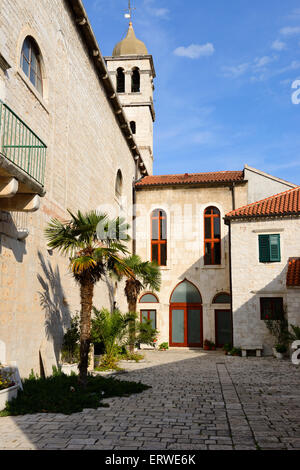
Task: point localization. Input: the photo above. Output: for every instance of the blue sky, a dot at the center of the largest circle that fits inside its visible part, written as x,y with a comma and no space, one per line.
224,80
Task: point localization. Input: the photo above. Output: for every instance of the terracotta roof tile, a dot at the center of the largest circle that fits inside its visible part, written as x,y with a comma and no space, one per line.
293,273
285,203
192,178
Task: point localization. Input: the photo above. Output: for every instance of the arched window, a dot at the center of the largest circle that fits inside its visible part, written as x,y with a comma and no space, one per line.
135,81
120,80
133,127
212,236
119,184
31,63
159,237
149,299
222,298
186,293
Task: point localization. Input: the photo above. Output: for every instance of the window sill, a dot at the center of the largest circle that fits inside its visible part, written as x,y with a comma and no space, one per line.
32,89
215,266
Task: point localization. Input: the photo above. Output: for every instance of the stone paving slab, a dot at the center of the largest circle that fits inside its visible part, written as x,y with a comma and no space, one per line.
198,401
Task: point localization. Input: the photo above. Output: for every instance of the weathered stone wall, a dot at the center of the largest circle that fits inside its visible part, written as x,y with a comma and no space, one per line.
85,150
252,280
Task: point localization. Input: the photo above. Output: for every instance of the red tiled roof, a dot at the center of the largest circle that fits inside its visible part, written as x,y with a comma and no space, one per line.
293,273
192,178
286,203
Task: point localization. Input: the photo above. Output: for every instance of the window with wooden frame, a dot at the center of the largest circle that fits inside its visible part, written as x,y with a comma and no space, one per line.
271,308
159,237
120,80
31,63
212,236
269,248
149,299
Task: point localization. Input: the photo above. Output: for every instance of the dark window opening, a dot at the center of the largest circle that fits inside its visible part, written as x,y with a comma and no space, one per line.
120,81
271,308
135,81
133,127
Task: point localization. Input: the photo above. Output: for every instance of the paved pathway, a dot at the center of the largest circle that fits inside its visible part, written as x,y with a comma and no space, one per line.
198,401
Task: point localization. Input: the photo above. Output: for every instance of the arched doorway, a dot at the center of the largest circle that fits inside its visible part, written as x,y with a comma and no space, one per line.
186,323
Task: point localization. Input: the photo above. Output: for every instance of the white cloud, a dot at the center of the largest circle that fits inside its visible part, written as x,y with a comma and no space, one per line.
161,12
194,51
235,71
278,45
263,61
290,30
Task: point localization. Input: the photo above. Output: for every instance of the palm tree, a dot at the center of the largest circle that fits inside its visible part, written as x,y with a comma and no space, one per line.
92,242
147,275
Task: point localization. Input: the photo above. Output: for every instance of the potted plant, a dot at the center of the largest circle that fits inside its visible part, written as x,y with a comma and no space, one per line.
163,346
209,345
235,352
8,389
226,348
279,351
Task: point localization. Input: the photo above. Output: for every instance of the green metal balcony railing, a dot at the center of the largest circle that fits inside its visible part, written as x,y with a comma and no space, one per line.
21,145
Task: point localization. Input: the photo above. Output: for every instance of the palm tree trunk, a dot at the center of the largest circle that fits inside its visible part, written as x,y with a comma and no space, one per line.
86,295
132,310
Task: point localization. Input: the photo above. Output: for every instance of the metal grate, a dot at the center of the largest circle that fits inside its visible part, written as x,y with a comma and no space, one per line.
21,145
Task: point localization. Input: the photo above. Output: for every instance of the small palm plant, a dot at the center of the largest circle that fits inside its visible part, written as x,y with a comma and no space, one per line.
92,242
110,328
147,275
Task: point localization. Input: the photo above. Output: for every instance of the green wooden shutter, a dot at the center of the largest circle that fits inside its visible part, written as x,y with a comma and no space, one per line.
264,248
275,248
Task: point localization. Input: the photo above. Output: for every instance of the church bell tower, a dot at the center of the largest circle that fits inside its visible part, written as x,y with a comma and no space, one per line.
132,71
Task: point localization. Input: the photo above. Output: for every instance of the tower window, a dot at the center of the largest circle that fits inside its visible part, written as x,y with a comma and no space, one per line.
135,81
31,63
120,81
133,127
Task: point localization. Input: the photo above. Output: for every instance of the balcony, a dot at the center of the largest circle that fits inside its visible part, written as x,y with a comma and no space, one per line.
22,164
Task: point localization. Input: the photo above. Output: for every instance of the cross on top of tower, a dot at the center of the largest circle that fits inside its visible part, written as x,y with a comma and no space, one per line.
129,11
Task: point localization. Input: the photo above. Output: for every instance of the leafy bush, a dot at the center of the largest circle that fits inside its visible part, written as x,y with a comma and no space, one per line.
280,330
145,334
235,352
70,352
281,348
295,335
163,346
112,330
63,394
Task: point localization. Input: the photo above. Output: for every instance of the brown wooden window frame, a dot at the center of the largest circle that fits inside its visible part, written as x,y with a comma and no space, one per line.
162,216
33,51
212,240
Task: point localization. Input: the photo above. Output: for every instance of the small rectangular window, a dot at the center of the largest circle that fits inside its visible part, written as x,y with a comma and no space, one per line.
271,308
269,248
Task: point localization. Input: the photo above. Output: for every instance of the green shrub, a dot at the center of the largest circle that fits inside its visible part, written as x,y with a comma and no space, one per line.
295,335
70,352
63,394
145,334
281,348
163,346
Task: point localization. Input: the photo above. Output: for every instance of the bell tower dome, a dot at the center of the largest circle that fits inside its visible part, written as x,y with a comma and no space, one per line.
132,71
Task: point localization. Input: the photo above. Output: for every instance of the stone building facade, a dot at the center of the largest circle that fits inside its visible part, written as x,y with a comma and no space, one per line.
184,200
261,283
80,120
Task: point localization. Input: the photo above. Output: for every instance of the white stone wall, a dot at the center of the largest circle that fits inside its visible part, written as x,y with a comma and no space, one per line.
85,150
262,185
252,280
185,212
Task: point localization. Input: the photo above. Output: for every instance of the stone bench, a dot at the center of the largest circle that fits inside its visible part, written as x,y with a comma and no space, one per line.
257,348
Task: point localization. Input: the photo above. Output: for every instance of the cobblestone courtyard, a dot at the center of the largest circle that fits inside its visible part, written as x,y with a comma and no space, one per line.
197,401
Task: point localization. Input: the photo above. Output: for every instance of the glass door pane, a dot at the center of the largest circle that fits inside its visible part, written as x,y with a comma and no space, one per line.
224,327
178,326
194,327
